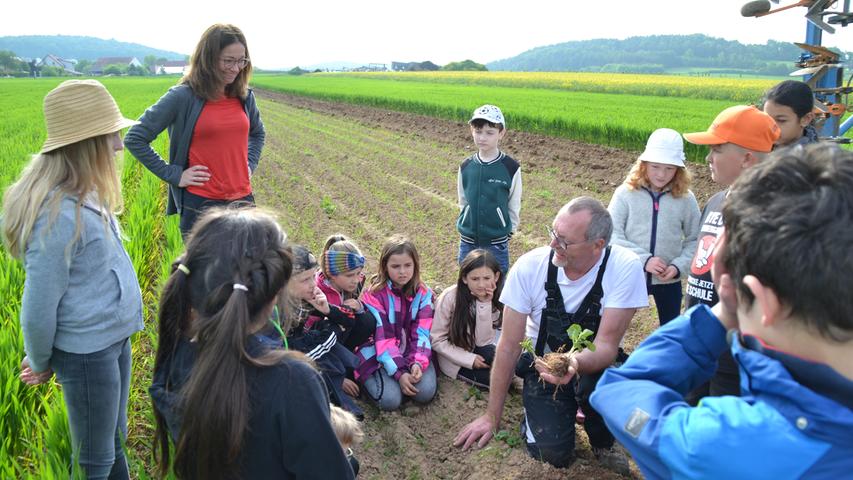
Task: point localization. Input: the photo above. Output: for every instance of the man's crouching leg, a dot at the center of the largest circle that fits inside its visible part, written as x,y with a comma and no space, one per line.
549,423
608,454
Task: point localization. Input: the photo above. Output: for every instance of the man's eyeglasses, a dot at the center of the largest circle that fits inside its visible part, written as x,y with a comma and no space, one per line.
230,62
564,245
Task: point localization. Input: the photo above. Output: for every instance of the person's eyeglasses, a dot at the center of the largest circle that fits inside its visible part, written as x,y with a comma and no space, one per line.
564,245
230,62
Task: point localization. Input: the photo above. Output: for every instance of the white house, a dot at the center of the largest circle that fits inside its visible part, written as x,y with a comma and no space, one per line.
51,60
103,62
170,67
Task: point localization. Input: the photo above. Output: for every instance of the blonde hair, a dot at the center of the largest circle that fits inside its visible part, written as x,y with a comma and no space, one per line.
205,76
638,178
397,245
76,170
346,426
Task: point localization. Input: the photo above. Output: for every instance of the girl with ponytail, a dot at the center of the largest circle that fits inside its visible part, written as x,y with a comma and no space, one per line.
233,406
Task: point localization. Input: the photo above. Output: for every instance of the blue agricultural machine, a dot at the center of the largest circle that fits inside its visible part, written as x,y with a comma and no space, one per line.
819,66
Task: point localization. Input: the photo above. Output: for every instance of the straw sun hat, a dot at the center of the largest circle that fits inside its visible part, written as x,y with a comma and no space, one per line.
80,109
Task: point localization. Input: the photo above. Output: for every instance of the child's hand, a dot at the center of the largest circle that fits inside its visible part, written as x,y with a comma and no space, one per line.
320,302
490,291
726,308
350,388
416,372
655,266
407,385
480,362
30,377
354,304
669,273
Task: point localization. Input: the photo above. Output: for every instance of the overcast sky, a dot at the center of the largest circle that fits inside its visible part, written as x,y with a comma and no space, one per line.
286,33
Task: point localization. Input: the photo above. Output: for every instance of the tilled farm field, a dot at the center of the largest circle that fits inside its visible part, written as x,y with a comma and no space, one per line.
332,167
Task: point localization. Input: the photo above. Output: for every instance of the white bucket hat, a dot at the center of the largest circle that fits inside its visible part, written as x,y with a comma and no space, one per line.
80,109
664,146
489,113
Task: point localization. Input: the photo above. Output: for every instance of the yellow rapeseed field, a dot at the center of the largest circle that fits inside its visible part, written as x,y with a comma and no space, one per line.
736,89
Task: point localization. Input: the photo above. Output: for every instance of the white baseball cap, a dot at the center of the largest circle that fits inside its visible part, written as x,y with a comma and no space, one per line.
489,113
664,146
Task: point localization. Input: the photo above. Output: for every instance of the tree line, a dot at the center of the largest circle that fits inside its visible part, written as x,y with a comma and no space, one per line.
656,54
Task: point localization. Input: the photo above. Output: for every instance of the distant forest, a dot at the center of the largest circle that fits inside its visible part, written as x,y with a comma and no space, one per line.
79,48
657,54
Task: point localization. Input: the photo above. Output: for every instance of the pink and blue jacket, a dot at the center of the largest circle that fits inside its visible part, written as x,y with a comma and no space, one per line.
402,332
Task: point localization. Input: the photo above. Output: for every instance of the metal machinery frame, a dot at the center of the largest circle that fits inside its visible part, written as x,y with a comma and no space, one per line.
820,67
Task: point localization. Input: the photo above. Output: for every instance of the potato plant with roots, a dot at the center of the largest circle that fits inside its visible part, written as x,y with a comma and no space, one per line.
557,363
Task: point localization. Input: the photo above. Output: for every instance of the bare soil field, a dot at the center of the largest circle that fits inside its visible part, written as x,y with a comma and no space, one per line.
368,173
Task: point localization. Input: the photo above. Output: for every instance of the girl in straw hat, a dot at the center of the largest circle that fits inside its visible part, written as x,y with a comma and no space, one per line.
215,130
81,298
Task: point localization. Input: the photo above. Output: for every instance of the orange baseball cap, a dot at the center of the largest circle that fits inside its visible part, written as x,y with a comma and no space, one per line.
743,125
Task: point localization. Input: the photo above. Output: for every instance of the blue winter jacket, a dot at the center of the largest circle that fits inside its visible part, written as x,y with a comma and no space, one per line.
794,419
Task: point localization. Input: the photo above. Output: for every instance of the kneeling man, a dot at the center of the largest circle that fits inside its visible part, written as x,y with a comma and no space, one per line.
579,279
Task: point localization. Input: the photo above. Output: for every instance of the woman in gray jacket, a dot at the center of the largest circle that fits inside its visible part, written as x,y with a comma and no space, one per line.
657,217
215,130
81,299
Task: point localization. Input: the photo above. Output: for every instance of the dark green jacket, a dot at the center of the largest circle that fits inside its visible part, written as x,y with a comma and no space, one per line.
490,199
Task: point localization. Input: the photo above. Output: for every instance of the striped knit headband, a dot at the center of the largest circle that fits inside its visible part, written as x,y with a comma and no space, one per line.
337,262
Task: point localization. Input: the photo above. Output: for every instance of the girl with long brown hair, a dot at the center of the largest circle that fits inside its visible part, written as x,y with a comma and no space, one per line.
396,361
467,315
215,129
234,406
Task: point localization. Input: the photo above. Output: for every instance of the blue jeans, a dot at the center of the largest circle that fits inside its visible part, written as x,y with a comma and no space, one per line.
385,391
500,251
95,386
667,300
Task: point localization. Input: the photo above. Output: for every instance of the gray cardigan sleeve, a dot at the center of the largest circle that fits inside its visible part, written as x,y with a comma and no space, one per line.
47,276
257,134
619,212
156,118
692,219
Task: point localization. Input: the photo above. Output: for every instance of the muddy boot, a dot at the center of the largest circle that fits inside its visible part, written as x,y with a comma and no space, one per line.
613,459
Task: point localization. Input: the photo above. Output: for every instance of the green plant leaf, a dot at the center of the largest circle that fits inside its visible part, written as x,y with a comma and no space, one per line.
574,332
527,346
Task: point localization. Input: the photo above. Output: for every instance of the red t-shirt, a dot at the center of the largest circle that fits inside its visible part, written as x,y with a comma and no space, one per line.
221,143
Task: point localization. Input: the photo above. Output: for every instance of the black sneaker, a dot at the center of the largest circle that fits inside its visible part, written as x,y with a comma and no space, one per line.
613,459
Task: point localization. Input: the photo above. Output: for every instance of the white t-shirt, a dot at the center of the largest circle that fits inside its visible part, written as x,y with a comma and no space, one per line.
624,285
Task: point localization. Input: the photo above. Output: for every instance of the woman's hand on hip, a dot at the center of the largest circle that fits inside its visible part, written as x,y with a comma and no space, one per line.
195,176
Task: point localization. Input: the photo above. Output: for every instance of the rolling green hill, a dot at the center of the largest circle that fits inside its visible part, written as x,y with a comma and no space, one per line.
79,48
657,54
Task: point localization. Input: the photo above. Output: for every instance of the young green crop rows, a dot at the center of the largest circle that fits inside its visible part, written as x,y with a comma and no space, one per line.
623,121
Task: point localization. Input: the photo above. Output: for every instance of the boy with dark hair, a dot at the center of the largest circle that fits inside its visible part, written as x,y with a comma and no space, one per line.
783,272
489,188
